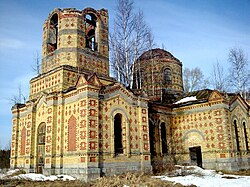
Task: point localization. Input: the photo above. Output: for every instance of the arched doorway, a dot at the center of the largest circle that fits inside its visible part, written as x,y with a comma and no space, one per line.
41,133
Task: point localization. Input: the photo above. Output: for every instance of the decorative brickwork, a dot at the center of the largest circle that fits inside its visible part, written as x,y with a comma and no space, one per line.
82,122
23,141
72,134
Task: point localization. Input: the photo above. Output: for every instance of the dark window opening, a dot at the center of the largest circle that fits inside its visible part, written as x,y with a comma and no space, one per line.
151,138
245,134
91,32
167,76
164,145
118,134
236,136
53,33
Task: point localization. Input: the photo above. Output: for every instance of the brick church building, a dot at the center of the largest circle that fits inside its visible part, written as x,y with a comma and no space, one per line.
80,121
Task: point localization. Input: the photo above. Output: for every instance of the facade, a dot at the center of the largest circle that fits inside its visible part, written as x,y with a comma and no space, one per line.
80,121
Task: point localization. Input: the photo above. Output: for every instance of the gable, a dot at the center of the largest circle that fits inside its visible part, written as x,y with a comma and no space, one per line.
238,102
215,96
94,80
81,81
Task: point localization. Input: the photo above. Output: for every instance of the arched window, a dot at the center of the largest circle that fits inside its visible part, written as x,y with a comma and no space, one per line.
236,136
164,145
118,134
72,134
41,134
167,76
245,135
53,33
91,32
23,141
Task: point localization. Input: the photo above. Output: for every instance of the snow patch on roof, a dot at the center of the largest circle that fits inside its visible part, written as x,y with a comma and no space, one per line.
186,99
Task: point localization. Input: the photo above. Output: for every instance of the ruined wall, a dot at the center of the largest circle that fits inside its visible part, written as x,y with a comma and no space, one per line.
158,72
68,46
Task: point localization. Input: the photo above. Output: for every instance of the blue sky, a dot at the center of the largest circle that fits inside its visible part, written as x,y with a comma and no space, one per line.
198,32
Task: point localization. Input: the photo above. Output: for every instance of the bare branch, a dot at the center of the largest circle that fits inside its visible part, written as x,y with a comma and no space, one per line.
239,73
219,78
194,80
128,41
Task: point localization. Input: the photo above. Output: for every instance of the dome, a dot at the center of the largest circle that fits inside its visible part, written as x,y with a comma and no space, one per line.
157,53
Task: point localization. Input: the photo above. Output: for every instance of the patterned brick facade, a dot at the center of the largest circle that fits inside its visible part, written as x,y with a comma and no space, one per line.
76,110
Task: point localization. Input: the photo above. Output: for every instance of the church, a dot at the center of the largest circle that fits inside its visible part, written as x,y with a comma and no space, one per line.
82,122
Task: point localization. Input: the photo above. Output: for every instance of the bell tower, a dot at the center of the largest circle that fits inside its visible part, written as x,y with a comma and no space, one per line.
74,43
76,38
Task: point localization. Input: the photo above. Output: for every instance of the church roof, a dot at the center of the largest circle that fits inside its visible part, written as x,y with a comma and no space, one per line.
199,96
157,53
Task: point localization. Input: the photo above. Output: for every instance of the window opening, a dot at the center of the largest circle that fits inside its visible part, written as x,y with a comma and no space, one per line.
163,139
118,134
41,133
245,135
167,76
91,32
53,33
151,138
236,136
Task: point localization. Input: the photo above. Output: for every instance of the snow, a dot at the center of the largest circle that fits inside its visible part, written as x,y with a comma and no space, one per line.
186,99
40,177
208,178
188,175
35,176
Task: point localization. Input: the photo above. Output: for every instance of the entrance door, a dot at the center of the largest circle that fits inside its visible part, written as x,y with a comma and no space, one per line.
195,156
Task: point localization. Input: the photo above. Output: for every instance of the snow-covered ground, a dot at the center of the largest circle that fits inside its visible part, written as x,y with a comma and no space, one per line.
34,176
208,178
187,175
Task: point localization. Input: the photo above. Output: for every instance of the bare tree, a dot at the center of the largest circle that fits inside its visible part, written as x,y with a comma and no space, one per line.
128,41
19,98
219,78
239,72
194,80
36,67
